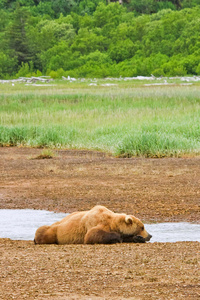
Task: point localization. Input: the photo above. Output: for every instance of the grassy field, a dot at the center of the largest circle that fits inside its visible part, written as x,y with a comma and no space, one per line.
126,119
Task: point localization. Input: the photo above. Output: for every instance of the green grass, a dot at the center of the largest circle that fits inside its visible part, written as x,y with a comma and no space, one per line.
126,120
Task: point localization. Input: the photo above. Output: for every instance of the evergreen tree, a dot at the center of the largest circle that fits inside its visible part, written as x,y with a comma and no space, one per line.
18,36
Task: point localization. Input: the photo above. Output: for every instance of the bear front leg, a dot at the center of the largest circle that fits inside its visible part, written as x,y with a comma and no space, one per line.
98,235
132,239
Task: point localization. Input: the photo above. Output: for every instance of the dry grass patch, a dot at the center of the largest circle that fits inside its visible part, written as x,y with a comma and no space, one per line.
46,154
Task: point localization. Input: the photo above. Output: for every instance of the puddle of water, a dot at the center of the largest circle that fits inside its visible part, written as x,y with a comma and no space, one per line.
21,224
174,232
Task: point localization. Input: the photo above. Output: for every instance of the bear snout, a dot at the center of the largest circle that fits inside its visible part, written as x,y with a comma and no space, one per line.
148,237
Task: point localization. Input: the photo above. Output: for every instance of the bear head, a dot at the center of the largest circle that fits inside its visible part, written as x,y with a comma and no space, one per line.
130,228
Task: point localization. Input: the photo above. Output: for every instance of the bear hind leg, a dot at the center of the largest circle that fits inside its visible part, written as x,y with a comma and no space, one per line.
46,235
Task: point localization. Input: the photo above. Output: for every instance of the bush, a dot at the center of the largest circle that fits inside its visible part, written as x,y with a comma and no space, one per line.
25,70
8,65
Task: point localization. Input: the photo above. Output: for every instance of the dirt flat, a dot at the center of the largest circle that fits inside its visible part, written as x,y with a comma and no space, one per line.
122,271
154,190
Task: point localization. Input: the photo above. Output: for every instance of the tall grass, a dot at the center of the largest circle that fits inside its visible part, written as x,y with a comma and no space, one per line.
124,120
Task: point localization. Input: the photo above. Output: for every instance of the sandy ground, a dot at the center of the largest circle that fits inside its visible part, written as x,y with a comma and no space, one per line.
154,190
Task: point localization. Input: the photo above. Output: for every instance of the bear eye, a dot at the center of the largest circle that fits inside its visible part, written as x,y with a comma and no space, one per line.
142,227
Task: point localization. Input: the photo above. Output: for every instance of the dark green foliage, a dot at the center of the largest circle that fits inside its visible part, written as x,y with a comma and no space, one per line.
17,34
94,38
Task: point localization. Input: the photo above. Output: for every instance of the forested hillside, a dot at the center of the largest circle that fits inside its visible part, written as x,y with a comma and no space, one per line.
99,38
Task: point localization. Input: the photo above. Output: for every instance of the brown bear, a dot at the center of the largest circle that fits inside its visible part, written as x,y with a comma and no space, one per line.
96,226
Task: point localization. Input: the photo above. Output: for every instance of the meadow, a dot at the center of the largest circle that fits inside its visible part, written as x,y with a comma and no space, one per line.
126,119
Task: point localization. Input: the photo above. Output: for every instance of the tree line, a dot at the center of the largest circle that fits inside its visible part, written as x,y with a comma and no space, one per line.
98,39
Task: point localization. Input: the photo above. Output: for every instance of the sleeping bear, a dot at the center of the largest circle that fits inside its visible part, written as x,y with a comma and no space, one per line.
96,226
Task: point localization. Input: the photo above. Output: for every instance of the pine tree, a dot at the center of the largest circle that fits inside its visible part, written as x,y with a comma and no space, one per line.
17,35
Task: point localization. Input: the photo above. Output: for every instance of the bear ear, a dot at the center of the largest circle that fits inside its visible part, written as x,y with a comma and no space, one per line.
128,220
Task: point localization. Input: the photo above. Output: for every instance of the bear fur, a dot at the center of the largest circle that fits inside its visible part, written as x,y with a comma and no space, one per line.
96,226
